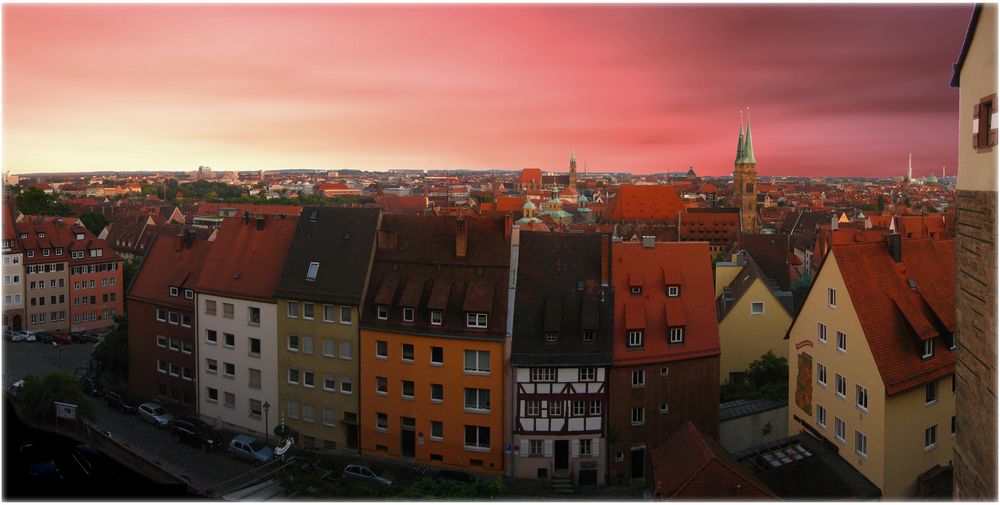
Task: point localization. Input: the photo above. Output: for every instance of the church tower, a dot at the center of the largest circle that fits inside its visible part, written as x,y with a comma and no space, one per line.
572,170
745,180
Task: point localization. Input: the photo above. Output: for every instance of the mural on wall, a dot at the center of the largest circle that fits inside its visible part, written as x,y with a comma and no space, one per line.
803,383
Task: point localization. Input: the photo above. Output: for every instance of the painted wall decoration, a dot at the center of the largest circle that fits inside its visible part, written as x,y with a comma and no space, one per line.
803,383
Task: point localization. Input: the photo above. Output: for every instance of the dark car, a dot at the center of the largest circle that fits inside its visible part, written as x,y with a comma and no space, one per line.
454,477
44,337
94,338
92,387
121,401
196,432
62,337
78,337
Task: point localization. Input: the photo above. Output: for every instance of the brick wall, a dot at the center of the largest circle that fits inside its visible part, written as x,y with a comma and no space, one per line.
976,397
144,381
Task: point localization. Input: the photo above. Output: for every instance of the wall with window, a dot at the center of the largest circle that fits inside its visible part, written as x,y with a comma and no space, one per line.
13,290
414,396
236,399
50,296
908,417
755,325
162,355
102,284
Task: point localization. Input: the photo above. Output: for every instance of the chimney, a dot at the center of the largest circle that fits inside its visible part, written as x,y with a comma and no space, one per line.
895,243
188,238
648,241
834,223
605,259
507,222
260,223
246,217
461,239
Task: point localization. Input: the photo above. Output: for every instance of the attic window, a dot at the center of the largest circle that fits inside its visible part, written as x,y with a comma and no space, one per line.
636,290
673,291
912,283
59,251
588,335
24,235
551,337
313,270
41,234
928,349
677,335
173,291
79,236
189,294
476,320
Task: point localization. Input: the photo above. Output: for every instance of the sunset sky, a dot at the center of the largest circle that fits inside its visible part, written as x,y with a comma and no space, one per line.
833,90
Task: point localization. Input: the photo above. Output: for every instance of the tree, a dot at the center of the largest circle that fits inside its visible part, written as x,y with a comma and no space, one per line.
94,222
35,202
768,375
37,396
110,357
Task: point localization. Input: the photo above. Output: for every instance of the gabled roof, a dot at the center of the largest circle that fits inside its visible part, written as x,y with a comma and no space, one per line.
9,232
170,261
690,465
894,316
644,203
969,34
247,259
342,241
771,253
746,278
531,175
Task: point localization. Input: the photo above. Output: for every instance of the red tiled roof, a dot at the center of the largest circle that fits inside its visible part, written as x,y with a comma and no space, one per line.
245,262
644,203
696,307
690,465
531,175
169,263
895,317
212,209
509,204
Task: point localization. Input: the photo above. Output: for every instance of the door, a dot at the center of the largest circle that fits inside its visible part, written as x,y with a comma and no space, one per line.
408,443
638,463
562,455
352,436
17,322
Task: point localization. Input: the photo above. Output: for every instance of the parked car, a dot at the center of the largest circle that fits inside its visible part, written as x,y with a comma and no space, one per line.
78,337
29,336
15,388
250,449
92,387
44,337
194,431
62,337
364,473
156,414
95,338
455,477
121,401
13,336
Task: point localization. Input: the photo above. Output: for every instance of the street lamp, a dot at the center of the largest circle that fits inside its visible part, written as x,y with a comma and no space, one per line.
267,407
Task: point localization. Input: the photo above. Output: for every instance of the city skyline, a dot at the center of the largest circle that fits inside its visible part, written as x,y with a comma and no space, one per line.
833,90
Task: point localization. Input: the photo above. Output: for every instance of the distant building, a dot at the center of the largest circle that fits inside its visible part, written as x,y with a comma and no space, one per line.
13,274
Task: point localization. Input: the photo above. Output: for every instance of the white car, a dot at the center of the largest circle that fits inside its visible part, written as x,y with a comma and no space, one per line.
365,473
13,336
155,414
29,336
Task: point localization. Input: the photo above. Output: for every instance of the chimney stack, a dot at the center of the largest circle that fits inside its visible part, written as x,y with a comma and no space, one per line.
461,239
895,243
260,223
648,241
834,223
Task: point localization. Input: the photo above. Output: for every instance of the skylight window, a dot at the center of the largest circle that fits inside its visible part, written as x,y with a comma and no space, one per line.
313,270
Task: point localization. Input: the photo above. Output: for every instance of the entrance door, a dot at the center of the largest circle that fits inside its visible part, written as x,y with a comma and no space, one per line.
408,443
352,436
638,463
562,455
17,322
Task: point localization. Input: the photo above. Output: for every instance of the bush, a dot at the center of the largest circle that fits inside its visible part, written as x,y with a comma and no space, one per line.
36,398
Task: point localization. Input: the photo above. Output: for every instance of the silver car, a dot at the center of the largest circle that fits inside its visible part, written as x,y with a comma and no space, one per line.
155,414
364,473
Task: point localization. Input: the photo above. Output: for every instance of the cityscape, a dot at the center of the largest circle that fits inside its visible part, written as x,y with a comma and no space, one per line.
506,281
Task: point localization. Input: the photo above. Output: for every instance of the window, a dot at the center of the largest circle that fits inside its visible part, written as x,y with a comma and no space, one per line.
255,409
212,394
636,290
638,416
188,294
381,422
437,392
307,311
477,399
228,311
436,317
253,316
381,385
345,385
407,390
840,428
930,438
312,271
293,343
254,378
308,379
293,309
638,378
230,340
841,341
161,341
254,347
293,375
821,374
345,350
477,361
437,430
161,314
477,437
756,308
186,320
821,415
230,401
293,409
930,392
437,355
210,307
928,349
329,314
555,409
861,444
535,448
408,314
476,320
588,374
307,345
532,408
407,352
861,393
383,312
551,337
308,413
676,335
954,427
595,408
588,335
328,417
175,344
174,291
211,336
329,346
673,291
345,315
983,130
635,338
841,385
543,374
329,382
664,408
831,297
229,370
211,365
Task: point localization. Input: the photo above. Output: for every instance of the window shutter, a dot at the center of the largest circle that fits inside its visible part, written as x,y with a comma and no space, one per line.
975,125
548,449
525,451
595,447
576,448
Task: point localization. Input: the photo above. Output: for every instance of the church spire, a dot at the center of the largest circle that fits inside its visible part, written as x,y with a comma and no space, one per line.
748,144
572,160
739,144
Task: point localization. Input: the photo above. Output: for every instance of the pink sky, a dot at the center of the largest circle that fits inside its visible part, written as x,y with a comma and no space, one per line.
834,90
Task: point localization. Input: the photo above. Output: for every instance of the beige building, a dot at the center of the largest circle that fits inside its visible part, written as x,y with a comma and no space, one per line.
754,315
976,401
871,366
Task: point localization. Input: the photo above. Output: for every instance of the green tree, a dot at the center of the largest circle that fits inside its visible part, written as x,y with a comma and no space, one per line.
36,398
94,222
110,357
768,376
35,202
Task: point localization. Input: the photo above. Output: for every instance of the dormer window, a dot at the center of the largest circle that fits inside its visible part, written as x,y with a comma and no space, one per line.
476,320
636,290
189,294
588,335
24,235
79,236
677,335
59,251
635,338
45,252
551,337
41,234
673,291
383,312
173,291
97,253
31,253
408,314
928,349
436,317
313,270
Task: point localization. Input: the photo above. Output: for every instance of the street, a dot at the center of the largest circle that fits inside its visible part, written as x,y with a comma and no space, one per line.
201,470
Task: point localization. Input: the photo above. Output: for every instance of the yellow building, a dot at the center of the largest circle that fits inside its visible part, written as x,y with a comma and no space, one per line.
754,315
319,296
871,367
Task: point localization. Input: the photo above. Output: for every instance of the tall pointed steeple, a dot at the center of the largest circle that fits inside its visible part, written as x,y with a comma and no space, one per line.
572,170
739,144
748,144
572,160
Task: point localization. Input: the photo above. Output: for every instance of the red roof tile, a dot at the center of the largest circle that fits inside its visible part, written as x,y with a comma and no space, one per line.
247,262
169,262
644,203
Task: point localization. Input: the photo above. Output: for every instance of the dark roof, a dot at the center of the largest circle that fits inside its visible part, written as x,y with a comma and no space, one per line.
803,234
770,251
732,293
247,258
747,407
559,290
969,34
170,261
342,241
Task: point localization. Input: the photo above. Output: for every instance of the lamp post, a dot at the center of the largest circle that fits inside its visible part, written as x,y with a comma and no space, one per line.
267,406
